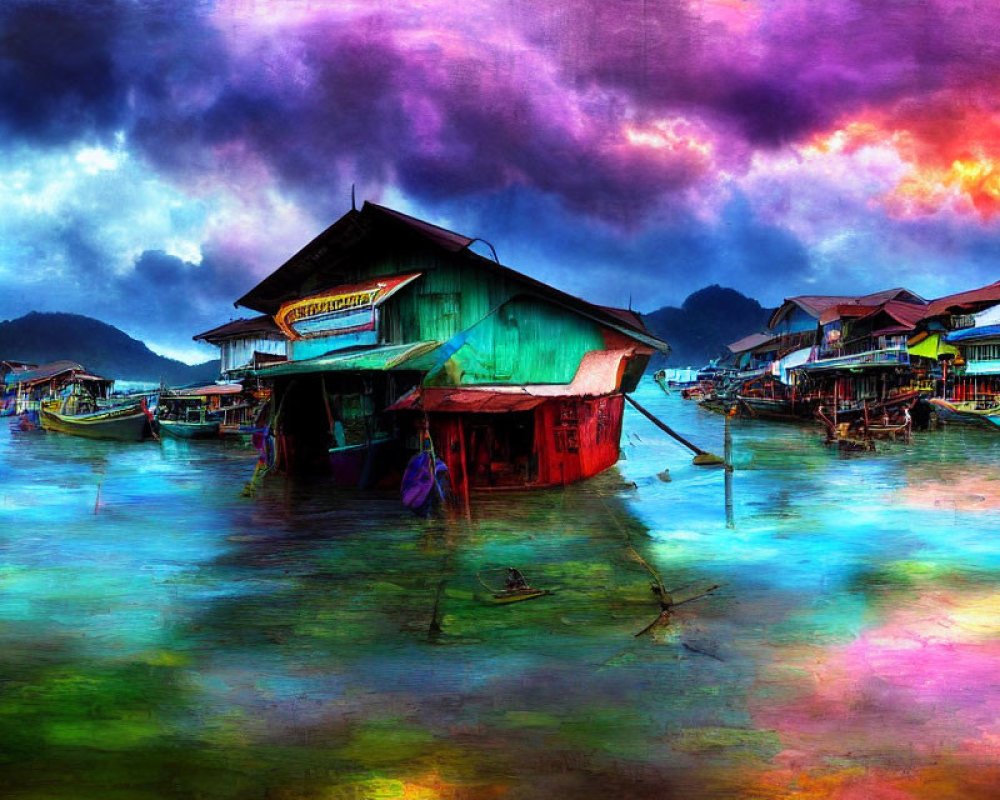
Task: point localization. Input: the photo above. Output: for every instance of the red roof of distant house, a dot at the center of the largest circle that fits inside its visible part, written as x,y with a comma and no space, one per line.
751,342
972,300
844,310
238,328
45,372
906,314
818,305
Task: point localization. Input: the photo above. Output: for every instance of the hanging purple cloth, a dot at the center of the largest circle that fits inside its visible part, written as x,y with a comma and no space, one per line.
421,488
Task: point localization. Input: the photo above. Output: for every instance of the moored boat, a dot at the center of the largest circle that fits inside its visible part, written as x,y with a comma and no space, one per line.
126,423
775,408
660,376
975,412
179,429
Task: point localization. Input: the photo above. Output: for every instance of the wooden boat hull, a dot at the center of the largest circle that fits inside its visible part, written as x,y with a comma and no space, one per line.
661,381
966,412
123,424
188,430
775,409
517,596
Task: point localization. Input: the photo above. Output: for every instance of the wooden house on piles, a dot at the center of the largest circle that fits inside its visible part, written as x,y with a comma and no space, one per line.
396,327
245,345
829,350
963,330
27,388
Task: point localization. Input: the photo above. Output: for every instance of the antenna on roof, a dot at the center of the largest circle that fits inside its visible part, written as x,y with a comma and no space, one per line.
630,301
492,248
353,203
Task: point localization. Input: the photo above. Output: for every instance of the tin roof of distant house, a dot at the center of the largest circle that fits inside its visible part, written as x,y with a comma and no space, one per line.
239,328
325,256
906,315
48,371
751,342
972,300
815,304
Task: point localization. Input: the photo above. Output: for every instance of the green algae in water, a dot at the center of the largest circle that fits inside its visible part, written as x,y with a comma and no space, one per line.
763,744
187,642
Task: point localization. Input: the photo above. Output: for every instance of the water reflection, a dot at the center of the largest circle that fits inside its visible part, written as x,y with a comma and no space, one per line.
171,638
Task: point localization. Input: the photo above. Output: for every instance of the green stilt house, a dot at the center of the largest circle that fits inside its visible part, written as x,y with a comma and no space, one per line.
396,327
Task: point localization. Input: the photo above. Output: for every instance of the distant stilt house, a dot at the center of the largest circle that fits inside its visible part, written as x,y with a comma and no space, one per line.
831,351
396,327
7,396
246,344
26,388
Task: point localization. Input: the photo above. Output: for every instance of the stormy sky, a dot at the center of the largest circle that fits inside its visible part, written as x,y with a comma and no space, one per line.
158,158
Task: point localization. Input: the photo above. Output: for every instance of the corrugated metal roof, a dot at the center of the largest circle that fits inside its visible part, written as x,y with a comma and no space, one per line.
964,301
888,295
906,314
842,310
816,304
465,401
627,316
600,373
750,342
263,324
357,360
442,236
44,372
332,247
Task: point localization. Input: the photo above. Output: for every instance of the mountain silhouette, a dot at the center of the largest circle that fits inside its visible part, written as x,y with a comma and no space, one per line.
103,349
706,322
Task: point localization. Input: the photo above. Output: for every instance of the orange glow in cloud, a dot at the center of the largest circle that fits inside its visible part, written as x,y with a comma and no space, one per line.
950,158
669,135
737,16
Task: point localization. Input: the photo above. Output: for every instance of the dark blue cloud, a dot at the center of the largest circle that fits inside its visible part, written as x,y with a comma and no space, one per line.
656,264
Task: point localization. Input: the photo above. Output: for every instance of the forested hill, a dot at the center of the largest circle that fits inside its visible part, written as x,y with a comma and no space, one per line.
101,348
705,323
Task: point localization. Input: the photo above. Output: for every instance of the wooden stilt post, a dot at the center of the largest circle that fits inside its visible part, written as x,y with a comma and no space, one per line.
465,470
728,457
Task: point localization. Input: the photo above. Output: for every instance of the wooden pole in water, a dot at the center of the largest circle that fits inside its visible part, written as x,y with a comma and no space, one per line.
728,456
701,458
836,384
465,470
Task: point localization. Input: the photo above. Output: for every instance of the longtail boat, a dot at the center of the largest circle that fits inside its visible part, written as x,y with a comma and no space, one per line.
179,429
126,423
200,413
775,408
968,411
660,376
515,589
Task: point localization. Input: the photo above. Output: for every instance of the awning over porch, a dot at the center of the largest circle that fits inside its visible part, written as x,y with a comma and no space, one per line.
379,359
930,346
47,372
600,373
465,401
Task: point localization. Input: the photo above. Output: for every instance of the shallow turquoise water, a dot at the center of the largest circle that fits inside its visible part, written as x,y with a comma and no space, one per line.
162,636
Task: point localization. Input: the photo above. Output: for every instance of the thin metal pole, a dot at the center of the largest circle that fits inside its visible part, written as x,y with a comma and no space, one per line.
728,458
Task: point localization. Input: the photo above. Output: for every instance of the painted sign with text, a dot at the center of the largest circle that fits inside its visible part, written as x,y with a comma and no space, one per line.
341,310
